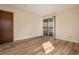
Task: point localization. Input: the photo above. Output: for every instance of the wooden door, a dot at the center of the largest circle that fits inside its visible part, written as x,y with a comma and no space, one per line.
6,26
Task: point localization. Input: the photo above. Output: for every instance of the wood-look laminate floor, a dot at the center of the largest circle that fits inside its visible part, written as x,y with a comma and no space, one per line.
34,46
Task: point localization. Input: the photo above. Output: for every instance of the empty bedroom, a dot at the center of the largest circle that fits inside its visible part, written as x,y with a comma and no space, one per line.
39,29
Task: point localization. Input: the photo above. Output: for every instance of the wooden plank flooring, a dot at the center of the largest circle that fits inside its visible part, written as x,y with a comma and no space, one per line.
34,46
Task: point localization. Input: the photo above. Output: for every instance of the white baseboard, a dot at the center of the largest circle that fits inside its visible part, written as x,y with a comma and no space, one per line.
68,40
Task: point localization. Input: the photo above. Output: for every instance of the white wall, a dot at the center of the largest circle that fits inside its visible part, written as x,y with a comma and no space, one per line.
26,24
67,24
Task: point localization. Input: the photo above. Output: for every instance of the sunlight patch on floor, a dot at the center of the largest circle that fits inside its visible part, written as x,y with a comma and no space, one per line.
48,47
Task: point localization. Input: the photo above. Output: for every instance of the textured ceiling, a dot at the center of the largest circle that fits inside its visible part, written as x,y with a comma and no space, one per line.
43,9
